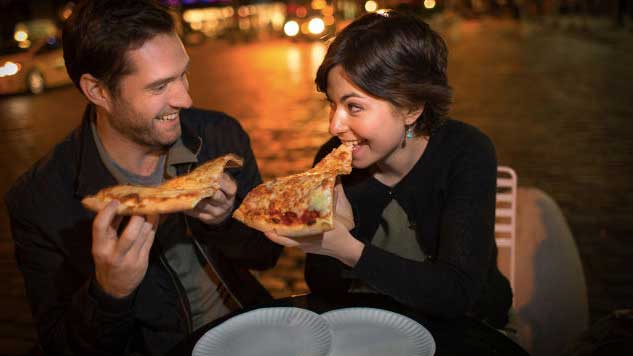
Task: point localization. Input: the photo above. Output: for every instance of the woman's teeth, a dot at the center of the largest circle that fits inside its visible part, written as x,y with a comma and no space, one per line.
168,117
354,143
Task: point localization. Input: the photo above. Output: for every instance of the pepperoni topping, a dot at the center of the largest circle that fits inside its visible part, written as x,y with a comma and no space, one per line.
309,217
291,218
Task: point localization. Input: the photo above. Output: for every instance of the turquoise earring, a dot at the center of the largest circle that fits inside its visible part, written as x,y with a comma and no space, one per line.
410,132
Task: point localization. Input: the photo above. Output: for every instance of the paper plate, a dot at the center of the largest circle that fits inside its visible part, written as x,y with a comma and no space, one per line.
268,332
377,332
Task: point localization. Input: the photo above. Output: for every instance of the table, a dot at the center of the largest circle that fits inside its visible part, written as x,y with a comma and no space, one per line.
463,336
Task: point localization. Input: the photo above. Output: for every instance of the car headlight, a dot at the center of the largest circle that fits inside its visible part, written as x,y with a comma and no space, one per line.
316,26
9,68
291,28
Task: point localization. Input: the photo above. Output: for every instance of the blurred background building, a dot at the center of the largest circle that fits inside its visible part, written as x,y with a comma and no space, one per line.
248,19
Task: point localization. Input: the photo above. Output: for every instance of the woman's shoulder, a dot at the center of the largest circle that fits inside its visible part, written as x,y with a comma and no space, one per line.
460,131
458,136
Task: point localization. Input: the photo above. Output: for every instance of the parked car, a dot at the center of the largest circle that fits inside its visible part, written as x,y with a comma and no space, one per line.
33,69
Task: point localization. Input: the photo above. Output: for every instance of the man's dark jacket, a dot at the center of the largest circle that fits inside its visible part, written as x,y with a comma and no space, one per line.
53,239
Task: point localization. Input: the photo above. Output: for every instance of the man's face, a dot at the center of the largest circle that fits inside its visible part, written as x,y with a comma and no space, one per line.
146,107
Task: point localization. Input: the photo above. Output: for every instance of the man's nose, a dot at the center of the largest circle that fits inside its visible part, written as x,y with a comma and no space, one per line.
181,97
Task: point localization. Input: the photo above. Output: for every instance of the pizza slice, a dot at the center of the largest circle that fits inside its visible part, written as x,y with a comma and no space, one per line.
300,204
177,194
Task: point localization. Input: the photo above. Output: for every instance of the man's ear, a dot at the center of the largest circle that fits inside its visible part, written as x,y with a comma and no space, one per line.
412,115
95,91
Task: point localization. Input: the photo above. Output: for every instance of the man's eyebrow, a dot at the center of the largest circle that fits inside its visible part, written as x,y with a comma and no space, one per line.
162,81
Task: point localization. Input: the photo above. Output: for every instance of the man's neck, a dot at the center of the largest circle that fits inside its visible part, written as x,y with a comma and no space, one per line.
129,155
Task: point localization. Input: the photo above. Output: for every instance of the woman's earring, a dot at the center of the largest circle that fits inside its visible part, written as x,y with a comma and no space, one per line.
410,132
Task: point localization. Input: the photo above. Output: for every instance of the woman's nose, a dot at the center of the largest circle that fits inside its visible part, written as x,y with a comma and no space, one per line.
337,124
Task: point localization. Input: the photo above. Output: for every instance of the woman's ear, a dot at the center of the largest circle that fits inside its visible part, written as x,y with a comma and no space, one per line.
412,115
95,91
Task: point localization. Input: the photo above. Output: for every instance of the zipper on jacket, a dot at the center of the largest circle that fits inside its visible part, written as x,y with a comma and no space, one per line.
201,250
213,269
181,294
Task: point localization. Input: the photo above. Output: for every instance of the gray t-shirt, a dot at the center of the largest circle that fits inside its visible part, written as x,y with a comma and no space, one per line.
395,235
201,285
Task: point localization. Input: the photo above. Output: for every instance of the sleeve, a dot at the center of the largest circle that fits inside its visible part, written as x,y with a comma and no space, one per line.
448,284
72,317
245,246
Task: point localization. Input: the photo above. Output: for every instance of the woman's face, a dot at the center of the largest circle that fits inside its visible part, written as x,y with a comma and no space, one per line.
375,126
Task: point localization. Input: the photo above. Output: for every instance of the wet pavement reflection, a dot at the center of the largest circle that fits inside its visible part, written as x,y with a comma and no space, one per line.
556,104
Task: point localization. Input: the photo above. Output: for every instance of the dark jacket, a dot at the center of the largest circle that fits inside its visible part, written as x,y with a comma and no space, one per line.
52,234
449,199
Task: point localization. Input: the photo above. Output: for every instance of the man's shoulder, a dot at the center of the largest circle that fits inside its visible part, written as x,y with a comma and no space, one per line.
200,119
218,132
47,174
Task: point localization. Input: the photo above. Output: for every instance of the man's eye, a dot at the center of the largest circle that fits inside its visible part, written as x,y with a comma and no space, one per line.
160,87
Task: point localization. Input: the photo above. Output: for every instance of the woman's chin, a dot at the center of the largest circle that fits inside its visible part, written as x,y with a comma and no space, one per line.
360,163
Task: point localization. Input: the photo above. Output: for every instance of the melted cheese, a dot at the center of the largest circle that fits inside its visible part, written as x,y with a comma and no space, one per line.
320,202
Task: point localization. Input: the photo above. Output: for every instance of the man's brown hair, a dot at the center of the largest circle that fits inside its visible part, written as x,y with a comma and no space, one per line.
99,33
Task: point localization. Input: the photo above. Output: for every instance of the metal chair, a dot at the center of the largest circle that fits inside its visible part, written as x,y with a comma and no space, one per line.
505,221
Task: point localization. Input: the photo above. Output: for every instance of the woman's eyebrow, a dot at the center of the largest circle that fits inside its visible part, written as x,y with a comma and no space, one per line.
350,95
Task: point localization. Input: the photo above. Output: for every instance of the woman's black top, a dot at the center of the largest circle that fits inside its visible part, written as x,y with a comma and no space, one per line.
449,200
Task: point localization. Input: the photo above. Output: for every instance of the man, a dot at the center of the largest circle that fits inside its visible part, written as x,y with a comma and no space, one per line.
107,285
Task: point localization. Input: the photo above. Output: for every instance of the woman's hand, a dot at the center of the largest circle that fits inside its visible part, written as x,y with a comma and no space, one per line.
343,210
337,243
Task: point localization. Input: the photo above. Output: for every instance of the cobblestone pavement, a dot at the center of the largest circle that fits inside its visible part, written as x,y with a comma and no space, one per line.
555,99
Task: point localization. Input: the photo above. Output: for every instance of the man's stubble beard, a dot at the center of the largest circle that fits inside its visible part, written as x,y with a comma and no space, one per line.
127,123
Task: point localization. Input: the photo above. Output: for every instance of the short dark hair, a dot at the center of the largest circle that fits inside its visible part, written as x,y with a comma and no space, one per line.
394,56
97,36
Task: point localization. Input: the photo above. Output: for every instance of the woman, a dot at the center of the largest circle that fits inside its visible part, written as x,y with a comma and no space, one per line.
422,192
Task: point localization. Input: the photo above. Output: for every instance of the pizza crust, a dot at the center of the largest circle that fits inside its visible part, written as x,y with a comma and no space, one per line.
177,194
321,226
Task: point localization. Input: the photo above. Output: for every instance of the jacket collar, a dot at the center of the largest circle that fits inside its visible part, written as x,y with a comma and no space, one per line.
93,175
190,139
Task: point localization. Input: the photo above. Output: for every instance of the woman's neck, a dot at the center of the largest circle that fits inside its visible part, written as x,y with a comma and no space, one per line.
399,163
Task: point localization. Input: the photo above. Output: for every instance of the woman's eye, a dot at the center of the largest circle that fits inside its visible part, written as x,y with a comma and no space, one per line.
353,108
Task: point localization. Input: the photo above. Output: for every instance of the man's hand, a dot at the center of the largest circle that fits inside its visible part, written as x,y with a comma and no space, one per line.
216,209
121,261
